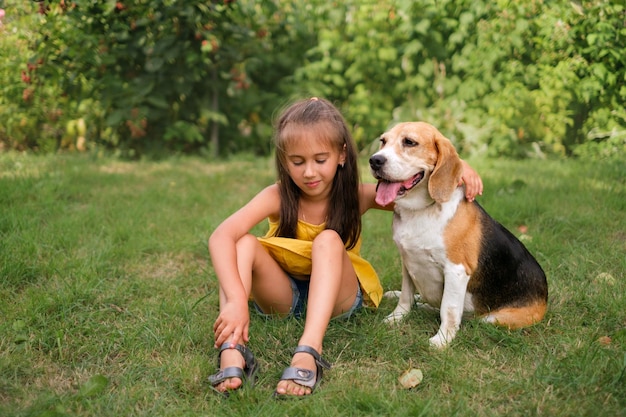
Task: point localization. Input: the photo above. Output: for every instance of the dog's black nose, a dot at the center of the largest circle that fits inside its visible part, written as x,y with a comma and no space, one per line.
377,161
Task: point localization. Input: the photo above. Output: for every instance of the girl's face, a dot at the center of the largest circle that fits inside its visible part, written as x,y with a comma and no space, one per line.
312,163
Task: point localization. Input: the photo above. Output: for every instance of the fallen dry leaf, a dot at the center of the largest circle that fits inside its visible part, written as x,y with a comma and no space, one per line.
606,278
411,378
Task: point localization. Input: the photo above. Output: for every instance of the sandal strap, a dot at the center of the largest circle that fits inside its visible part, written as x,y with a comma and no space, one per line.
247,354
300,376
247,373
318,358
222,375
306,377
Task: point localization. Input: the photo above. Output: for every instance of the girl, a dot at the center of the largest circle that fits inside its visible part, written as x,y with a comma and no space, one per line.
309,258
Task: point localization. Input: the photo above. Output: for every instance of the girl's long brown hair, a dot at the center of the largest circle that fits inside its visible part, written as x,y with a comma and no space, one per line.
343,214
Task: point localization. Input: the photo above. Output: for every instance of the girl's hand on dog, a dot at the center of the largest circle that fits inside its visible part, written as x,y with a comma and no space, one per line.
473,182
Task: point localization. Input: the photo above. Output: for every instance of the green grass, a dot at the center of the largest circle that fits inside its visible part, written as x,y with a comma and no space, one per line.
108,299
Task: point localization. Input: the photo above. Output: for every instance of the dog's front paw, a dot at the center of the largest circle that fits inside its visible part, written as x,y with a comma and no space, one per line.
395,295
392,294
440,340
395,317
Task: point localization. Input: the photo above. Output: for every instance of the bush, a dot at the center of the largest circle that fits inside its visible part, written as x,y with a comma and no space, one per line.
31,108
136,76
505,78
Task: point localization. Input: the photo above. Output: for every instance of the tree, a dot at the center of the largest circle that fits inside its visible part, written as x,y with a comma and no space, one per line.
160,74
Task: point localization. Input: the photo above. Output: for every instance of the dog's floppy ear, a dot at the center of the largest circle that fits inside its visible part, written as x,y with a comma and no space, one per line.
448,170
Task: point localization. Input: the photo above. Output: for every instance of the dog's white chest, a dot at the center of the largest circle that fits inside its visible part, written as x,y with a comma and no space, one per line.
420,234
419,238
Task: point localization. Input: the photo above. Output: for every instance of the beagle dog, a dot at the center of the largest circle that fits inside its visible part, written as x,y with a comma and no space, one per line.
455,257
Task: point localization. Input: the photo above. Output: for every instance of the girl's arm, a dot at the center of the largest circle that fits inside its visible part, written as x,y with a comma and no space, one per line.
473,182
233,320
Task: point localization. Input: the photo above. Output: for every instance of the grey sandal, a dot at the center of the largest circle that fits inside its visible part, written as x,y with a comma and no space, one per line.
247,374
305,377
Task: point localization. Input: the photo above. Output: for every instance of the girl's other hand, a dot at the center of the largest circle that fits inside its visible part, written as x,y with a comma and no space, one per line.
473,182
232,325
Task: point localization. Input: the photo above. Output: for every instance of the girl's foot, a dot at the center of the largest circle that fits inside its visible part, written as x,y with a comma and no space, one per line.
235,364
304,374
230,358
289,387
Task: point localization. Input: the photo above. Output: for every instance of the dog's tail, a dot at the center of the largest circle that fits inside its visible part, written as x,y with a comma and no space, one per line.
517,317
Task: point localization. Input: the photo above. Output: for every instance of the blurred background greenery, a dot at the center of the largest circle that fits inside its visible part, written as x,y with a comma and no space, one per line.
148,78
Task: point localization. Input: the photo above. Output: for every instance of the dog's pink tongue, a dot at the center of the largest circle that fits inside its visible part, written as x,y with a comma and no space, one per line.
386,192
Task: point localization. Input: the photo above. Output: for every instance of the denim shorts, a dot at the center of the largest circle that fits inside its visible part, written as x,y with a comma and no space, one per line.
300,290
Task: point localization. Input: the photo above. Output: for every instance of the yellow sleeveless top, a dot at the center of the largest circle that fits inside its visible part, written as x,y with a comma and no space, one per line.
294,256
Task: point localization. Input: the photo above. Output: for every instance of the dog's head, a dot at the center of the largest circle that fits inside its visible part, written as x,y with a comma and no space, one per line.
415,161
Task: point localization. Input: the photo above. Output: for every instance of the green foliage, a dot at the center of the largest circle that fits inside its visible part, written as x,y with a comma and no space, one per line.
31,109
146,63
508,78
137,76
165,75
355,63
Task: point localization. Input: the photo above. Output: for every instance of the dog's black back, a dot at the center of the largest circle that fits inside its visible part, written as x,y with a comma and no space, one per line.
508,274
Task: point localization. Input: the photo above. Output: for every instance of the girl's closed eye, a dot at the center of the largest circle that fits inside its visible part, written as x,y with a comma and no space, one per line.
299,161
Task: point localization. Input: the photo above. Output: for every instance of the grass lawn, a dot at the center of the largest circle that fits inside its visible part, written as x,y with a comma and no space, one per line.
108,299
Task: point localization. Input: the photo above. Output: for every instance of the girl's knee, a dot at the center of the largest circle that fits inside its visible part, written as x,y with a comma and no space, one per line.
327,238
247,242
249,249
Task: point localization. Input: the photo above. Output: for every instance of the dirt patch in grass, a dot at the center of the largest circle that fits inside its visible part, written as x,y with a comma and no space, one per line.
191,166
165,267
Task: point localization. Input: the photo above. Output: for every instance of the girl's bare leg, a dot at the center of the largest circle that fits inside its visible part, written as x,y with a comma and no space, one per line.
272,292
332,291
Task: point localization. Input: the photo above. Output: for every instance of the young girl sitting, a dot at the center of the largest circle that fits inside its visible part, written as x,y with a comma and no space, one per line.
308,264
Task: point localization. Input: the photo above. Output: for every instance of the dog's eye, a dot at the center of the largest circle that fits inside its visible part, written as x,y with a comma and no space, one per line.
409,142
383,142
